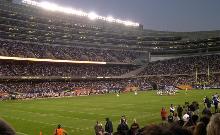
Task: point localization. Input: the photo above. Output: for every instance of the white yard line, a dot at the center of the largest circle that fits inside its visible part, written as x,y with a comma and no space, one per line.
45,123
20,133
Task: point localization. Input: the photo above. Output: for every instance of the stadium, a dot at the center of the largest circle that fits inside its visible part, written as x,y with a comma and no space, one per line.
90,74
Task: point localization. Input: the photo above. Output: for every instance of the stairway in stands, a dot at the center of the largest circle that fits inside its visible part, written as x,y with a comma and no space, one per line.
134,72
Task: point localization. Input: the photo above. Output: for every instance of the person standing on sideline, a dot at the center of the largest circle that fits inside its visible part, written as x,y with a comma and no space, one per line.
98,129
207,102
215,102
180,111
172,109
176,118
134,128
123,127
163,114
108,126
60,131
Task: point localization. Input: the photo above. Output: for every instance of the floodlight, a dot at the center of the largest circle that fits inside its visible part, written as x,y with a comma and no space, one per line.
80,13
137,24
30,2
110,19
66,10
128,23
119,21
92,16
49,6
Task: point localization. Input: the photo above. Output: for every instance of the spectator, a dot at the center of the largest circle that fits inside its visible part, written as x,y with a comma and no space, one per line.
6,129
170,118
123,127
207,102
155,130
108,126
164,130
36,50
213,127
172,109
207,112
215,102
98,129
176,118
134,128
60,131
186,117
180,111
194,120
200,129
205,120
163,114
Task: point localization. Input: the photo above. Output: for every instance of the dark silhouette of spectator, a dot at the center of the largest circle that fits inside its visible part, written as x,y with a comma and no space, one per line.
195,119
134,128
215,102
180,111
6,129
200,129
108,126
205,120
207,102
123,127
163,130
155,130
177,130
213,127
170,118
207,112
181,122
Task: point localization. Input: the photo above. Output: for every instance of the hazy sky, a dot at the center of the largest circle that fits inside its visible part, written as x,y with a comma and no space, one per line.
172,15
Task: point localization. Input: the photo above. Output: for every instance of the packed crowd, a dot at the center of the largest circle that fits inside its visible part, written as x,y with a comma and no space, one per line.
184,65
46,28
26,90
13,68
43,89
195,82
35,50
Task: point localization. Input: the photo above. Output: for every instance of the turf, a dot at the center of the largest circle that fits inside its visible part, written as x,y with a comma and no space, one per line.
78,115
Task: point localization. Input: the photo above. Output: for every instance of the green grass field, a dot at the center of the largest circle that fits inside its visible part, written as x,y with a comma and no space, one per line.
78,115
